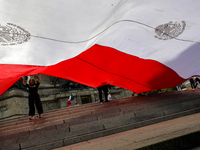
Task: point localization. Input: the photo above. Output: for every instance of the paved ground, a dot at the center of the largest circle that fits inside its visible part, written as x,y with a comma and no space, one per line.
142,136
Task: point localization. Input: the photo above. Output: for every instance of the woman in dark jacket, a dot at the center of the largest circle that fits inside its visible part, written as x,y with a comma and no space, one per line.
34,98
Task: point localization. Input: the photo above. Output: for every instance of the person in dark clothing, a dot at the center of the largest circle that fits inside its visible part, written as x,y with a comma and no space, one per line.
192,83
34,98
197,82
103,88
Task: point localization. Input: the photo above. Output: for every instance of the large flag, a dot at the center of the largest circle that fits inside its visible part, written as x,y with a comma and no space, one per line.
71,98
139,45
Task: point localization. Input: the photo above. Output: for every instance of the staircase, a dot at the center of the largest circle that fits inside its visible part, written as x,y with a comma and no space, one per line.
75,124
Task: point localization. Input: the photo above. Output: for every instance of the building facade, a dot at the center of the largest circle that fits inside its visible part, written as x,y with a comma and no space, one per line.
54,93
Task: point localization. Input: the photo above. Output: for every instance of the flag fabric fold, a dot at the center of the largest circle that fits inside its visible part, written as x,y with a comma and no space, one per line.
138,45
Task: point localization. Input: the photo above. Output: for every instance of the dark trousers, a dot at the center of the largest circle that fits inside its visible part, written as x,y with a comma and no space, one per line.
192,83
197,81
34,100
105,91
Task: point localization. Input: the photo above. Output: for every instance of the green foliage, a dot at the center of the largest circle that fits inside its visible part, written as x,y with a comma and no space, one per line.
160,91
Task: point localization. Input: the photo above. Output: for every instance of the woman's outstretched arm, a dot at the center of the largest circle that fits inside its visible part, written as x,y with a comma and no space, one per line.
39,79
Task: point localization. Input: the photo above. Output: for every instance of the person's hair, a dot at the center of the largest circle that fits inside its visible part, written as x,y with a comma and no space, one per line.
33,81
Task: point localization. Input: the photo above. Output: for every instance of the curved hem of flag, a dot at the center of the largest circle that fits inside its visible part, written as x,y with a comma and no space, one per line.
100,65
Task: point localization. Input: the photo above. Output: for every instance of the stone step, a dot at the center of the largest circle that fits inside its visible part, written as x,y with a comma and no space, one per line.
103,117
96,116
103,113
46,114
50,115
85,137
71,113
175,134
119,102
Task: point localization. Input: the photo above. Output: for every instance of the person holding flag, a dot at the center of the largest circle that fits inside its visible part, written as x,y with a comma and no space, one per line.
71,98
34,98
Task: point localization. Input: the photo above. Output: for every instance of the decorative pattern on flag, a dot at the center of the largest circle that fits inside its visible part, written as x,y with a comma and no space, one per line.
139,45
12,34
